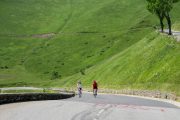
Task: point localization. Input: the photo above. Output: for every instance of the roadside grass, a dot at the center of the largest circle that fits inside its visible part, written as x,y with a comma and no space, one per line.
21,91
176,26
28,91
176,17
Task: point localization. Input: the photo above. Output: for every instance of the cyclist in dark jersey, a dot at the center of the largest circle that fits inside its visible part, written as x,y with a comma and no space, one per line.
79,87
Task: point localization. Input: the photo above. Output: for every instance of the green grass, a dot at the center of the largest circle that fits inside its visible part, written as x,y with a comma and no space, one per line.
22,91
176,17
32,16
111,41
152,63
176,26
28,91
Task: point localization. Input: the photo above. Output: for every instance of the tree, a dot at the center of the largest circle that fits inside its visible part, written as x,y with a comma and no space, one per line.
162,9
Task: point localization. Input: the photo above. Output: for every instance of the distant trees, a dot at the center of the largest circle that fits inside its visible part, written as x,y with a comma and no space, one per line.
162,8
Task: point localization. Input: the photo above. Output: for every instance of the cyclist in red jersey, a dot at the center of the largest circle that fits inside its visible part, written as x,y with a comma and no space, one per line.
95,88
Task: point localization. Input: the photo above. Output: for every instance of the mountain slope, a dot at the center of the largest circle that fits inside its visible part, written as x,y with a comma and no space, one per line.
103,29
152,63
56,42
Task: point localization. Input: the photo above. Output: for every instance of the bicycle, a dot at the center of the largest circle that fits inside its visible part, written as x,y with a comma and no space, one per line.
80,92
95,92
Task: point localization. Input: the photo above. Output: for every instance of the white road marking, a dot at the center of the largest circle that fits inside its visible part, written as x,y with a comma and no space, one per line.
101,111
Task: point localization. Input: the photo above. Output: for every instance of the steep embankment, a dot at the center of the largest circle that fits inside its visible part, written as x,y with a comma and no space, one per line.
152,63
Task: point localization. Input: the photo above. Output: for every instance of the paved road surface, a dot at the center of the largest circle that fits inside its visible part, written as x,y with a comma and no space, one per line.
104,107
176,34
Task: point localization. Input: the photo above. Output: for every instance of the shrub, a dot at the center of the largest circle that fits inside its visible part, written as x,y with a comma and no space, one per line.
88,66
55,75
6,67
86,43
82,71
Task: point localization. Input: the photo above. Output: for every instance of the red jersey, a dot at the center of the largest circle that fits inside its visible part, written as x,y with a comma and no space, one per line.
95,86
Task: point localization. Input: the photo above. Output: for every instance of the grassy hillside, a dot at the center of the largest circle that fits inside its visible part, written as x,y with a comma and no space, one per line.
105,40
151,63
32,16
176,17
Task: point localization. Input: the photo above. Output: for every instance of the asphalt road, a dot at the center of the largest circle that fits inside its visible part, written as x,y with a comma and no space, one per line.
176,34
104,107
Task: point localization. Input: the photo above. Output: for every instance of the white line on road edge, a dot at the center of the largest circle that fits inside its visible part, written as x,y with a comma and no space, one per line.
149,98
157,99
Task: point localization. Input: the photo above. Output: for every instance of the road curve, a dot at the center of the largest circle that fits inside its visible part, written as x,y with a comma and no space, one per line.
104,107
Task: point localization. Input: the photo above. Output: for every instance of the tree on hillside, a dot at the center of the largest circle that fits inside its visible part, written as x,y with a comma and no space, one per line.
162,9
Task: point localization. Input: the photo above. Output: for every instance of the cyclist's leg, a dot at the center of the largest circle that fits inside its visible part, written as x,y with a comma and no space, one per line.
80,92
96,92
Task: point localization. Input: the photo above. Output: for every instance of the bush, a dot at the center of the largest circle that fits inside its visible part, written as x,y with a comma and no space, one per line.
86,43
55,75
82,71
88,66
5,67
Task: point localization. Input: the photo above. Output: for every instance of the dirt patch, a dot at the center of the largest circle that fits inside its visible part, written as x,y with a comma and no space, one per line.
3,76
44,35
47,35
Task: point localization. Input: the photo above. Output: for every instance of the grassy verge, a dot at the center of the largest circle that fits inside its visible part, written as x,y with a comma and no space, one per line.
28,91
